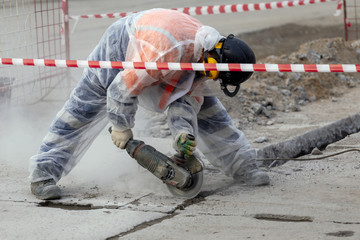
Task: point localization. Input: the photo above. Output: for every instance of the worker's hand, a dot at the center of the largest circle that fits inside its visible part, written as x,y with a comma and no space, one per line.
120,138
185,144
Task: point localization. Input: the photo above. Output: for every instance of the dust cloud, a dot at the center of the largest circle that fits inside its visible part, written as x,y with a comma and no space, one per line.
103,165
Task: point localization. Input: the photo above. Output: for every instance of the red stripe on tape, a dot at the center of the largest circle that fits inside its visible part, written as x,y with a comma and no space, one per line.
301,2
211,67
222,9
257,6
290,4
233,8
110,15
310,68
279,4
259,67
29,62
123,14
234,67
245,7
84,16
97,16
285,68
7,61
186,10
336,68
210,10
94,64
186,66
117,65
268,5
162,66
139,65
357,67
71,63
198,10
49,62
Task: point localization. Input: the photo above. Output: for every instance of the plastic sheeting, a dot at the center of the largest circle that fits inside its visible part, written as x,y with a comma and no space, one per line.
156,35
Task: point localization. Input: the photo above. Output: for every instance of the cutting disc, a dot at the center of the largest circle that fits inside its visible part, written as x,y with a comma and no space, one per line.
191,191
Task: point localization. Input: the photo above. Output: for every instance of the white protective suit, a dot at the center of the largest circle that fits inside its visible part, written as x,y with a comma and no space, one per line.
156,35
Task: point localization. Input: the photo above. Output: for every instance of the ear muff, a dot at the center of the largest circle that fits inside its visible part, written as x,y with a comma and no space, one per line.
213,74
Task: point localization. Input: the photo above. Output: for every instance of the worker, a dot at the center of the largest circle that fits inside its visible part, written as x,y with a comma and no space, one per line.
156,35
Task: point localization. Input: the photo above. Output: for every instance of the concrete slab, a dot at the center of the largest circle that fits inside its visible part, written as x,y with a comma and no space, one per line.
108,196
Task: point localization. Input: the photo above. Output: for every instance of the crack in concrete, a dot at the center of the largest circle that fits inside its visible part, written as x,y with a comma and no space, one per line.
346,222
341,234
142,226
86,207
136,200
75,206
170,214
17,201
282,217
215,214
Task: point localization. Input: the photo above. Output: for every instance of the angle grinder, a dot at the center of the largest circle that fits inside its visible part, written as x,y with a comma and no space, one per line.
183,177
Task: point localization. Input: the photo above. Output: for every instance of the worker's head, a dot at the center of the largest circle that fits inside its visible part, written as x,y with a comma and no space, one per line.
230,50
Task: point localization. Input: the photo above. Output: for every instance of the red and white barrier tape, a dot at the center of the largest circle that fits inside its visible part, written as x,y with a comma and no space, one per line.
240,67
218,9
338,8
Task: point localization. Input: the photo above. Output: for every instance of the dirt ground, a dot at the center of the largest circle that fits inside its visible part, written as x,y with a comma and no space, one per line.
266,94
287,38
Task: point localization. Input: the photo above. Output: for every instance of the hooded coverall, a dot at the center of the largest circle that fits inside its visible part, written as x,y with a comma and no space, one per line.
156,35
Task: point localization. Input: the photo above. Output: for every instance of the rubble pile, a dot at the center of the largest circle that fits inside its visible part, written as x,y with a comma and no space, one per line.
266,93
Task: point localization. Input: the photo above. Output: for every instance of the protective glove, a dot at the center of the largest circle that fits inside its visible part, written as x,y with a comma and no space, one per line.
120,138
185,144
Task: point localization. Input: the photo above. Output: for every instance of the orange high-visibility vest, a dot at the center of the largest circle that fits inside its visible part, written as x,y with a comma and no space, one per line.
160,35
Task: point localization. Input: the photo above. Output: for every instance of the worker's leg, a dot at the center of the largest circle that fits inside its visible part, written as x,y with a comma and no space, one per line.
71,133
223,144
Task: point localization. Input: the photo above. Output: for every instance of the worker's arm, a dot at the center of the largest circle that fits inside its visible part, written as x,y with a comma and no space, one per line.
182,120
121,105
121,109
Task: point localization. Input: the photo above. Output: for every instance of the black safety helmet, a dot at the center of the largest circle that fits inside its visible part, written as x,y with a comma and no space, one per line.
234,50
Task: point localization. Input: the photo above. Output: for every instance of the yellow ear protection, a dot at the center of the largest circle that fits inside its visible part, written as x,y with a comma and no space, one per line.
213,74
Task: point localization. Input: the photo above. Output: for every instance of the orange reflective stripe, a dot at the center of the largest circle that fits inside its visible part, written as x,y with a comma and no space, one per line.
131,81
165,96
167,92
199,99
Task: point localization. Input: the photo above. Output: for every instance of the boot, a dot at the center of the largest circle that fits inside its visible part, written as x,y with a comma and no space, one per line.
254,177
46,190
